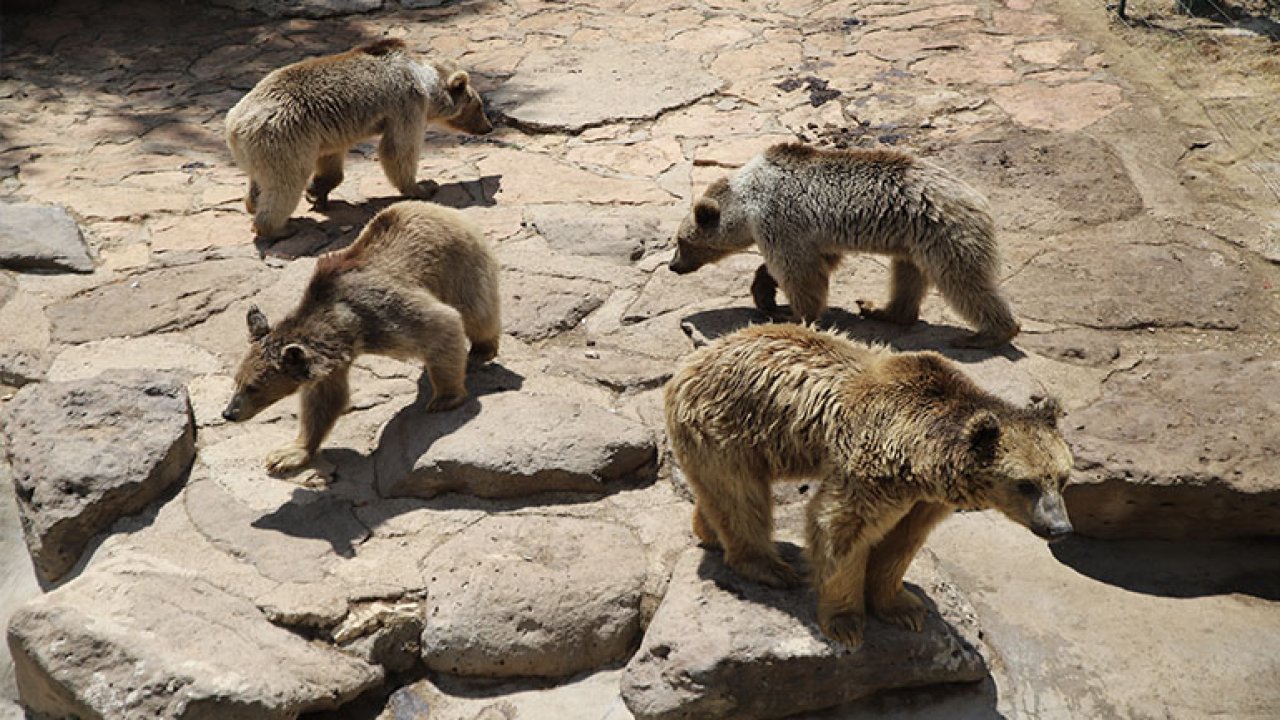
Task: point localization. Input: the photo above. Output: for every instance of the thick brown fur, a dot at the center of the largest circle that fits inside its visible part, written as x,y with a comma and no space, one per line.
806,208
301,120
898,441
419,282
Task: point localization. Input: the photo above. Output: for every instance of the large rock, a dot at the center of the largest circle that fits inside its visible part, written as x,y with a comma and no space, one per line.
572,88
513,445
723,647
170,298
1182,446
533,595
41,237
85,453
151,640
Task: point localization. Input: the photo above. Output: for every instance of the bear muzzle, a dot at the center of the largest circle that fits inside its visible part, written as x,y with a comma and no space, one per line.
1049,518
234,412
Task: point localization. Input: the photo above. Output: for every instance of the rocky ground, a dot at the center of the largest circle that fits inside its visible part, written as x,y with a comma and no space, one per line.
528,555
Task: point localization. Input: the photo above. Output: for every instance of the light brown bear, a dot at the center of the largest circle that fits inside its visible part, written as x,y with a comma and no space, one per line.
419,282
303,118
805,208
899,441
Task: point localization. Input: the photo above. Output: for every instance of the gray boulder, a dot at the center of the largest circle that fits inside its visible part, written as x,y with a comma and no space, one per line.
144,639
1182,446
724,647
533,595
86,453
513,445
41,237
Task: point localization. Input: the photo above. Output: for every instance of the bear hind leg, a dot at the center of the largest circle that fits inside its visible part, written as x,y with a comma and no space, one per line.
737,510
277,199
979,304
890,601
443,347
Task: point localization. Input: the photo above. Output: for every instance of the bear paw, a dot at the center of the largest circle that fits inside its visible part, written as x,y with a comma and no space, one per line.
981,340
772,572
287,459
868,310
424,190
441,403
845,628
905,610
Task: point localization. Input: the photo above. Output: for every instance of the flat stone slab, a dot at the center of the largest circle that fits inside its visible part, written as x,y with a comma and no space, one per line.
619,235
41,237
533,596
88,452
158,300
151,640
569,89
724,647
1182,446
1136,274
513,445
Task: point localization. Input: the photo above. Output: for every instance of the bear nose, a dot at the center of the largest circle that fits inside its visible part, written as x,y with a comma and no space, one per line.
1059,531
228,415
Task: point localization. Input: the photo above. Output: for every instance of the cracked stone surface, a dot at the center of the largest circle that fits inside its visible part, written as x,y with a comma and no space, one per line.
629,82
1132,176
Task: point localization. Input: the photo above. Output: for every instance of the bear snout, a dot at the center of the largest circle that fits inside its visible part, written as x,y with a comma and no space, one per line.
233,411
680,267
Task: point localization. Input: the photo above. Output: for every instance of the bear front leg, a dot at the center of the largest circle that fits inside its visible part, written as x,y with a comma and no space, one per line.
764,290
806,286
842,527
323,402
890,558
398,152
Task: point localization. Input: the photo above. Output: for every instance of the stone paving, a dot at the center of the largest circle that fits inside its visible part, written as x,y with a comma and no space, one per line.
1139,220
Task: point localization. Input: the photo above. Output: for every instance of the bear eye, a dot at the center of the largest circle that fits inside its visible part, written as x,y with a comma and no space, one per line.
1028,489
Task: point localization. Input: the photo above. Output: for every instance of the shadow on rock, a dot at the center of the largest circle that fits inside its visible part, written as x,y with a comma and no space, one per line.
313,514
345,220
1178,569
708,325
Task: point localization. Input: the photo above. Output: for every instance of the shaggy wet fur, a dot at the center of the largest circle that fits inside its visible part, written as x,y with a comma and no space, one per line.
419,282
805,208
301,120
898,440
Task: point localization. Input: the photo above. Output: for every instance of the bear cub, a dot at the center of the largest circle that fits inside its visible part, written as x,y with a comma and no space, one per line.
419,282
898,440
805,208
301,120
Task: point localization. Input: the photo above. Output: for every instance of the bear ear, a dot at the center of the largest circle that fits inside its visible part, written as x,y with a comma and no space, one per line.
706,213
258,327
1047,409
458,80
982,435
296,361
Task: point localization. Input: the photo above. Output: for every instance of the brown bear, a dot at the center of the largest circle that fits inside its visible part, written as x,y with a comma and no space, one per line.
899,441
301,120
805,208
419,282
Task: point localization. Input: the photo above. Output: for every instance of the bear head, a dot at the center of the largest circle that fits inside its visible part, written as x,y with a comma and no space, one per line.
1022,463
714,228
465,111
271,370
